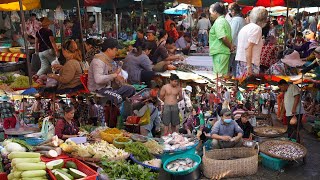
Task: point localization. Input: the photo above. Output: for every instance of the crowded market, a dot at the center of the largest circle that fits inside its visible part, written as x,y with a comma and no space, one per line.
162,89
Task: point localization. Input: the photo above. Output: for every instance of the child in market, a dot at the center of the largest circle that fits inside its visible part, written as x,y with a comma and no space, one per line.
194,121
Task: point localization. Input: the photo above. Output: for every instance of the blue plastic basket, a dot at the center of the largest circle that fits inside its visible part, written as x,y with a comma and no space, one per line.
144,165
194,157
189,150
273,163
34,141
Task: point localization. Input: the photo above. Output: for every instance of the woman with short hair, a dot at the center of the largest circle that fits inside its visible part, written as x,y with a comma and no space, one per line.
250,43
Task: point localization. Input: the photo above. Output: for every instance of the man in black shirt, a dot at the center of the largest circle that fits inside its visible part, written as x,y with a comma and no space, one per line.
245,125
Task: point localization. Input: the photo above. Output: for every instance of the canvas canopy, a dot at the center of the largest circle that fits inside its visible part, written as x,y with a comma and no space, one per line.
13,5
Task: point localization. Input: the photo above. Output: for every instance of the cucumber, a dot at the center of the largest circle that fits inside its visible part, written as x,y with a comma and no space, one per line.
35,178
33,173
17,174
23,155
56,164
63,172
24,160
10,176
31,166
61,176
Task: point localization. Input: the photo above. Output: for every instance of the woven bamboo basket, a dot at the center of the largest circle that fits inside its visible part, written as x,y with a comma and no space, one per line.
267,131
243,161
265,146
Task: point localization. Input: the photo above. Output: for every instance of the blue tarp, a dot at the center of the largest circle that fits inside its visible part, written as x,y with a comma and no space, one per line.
175,11
29,91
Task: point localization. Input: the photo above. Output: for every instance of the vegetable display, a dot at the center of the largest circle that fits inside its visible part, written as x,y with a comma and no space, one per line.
71,171
139,150
154,147
27,165
50,148
125,170
99,150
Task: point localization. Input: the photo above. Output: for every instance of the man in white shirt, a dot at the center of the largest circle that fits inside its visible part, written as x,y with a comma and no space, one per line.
292,105
203,25
227,96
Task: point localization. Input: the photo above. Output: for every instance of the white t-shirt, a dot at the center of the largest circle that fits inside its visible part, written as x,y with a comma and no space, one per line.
289,95
250,33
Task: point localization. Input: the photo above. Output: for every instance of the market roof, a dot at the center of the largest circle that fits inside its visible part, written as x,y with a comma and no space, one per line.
13,5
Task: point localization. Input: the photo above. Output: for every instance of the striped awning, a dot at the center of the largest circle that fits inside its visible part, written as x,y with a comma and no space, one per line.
11,57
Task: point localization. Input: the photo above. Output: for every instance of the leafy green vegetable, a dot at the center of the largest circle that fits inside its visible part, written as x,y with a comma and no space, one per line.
88,128
139,151
125,170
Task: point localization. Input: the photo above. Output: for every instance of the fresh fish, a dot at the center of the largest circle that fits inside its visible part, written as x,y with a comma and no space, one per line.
181,164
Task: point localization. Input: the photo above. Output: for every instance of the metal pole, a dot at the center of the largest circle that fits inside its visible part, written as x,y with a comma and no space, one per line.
25,36
286,27
81,30
142,15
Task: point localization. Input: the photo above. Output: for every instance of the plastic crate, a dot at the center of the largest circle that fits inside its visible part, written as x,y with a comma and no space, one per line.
3,176
273,163
61,156
91,174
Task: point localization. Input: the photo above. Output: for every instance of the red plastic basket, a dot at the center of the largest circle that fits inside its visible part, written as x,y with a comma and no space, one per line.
46,159
91,174
3,176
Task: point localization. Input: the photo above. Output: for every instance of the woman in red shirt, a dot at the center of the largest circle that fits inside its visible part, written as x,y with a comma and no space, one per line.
66,128
173,32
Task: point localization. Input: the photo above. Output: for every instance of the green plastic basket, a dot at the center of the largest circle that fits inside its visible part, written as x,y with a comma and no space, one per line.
194,157
273,163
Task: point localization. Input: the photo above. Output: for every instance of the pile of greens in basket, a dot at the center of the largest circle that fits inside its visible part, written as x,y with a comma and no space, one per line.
139,151
125,170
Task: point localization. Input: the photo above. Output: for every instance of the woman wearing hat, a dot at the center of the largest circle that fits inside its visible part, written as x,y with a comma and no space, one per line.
46,46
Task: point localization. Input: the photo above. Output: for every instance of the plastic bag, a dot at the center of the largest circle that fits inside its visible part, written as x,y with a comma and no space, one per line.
145,119
124,74
47,130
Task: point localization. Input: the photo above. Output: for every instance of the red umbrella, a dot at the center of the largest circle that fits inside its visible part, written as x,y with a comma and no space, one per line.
270,3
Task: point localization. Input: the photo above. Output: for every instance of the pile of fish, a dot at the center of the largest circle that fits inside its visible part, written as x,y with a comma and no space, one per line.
177,141
181,164
286,151
270,131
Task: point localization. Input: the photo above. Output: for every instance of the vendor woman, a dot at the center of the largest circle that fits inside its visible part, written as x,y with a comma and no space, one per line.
66,128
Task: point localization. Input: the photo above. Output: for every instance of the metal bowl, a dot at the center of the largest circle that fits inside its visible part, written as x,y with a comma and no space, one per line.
4,49
31,50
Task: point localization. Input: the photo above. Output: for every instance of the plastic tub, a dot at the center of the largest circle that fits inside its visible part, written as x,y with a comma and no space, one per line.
188,150
120,144
34,141
144,165
194,157
91,174
273,163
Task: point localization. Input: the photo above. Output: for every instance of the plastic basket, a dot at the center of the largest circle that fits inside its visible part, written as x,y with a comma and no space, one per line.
188,150
273,163
61,156
194,157
91,174
144,165
34,141
3,176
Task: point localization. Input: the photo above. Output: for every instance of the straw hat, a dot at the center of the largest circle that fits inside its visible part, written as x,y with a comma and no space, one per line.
46,21
293,59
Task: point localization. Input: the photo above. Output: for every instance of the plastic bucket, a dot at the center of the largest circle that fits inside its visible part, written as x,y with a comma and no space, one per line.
194,157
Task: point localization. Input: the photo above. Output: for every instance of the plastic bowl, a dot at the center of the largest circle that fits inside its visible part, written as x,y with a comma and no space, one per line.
120,144
139,138
34,141
194,157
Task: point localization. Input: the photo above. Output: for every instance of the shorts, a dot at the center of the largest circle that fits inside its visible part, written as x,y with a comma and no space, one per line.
171,115
160,66
221,64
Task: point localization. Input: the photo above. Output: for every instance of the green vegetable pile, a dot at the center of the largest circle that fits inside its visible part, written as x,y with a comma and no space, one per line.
125,170
88,128
139,151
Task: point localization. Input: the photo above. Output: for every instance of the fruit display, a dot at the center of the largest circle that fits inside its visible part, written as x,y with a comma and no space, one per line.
122,53
65,170
99,150
26,165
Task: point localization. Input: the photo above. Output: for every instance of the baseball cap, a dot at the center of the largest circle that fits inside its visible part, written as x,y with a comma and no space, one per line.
225,112
110,44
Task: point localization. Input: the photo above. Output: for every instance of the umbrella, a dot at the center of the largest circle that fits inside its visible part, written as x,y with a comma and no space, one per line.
29,91
13,5
272,3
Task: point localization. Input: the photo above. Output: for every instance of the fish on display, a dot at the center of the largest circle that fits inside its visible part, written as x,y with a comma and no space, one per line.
181,164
